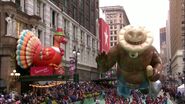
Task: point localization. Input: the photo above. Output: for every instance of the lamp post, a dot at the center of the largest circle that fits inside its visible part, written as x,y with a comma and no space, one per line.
183,80
14,77
76,53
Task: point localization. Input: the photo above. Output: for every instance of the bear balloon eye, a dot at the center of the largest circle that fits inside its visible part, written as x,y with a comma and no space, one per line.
139,33
130,33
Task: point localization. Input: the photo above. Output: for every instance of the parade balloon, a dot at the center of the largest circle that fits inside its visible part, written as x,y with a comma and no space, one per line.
138,63
30,51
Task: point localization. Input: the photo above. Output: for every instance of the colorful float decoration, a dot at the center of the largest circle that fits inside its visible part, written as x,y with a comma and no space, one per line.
43,60
138,63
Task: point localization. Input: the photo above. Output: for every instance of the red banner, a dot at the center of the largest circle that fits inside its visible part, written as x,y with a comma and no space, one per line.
104,35
41,71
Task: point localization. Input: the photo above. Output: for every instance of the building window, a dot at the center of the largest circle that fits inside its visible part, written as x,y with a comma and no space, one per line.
74,32
115,38
115,43
53,19
120,26
81,2
111,44
82,56
115,26
88,56
120,21
74,13
39,34
111,38
38,7
65,3
19,27
93,45
183,22
81,19
115,21
82,37
111,27
88,38
111,32
66,29
18,4
51,39
115,32
43,13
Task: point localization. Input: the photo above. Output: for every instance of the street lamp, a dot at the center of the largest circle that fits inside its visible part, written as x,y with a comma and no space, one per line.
76,53
183,79
14,75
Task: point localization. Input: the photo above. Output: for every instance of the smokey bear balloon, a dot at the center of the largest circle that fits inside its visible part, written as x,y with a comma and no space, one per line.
138,62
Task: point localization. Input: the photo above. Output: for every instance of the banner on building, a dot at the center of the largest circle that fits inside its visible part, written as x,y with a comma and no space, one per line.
41,71
104,36
72,65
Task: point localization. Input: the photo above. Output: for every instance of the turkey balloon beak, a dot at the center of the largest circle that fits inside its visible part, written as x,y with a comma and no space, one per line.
63,40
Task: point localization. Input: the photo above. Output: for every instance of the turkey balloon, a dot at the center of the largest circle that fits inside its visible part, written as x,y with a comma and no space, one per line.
31,52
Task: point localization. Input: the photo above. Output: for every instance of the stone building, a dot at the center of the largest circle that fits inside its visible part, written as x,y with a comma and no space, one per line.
164,51
176,25
80,22
117,18
43,17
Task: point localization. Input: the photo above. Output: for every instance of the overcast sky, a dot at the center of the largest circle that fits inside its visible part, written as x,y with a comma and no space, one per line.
150,13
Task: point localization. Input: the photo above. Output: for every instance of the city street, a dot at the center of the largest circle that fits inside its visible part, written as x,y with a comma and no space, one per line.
92,51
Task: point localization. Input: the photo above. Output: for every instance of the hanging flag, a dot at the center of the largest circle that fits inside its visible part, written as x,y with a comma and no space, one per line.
104,36
72,65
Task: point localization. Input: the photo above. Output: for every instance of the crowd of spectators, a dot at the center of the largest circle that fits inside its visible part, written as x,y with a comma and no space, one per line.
61,94
135,98
175,95
71,92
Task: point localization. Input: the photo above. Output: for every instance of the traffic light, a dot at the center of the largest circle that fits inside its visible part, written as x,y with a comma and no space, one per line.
76,78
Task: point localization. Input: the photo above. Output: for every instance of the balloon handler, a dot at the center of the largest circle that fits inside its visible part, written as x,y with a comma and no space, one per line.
138,63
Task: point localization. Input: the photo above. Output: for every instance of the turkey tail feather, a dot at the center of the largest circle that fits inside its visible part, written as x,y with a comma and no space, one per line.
26,46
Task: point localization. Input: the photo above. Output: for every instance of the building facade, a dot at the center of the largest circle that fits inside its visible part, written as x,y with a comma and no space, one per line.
163,49
43,17
176,25
80,23
117,18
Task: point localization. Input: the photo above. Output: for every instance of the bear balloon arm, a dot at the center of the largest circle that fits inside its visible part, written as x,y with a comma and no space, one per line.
101,60
106,61
157,66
